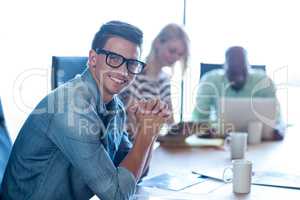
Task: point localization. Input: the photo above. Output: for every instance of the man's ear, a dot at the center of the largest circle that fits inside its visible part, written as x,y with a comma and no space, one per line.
92,58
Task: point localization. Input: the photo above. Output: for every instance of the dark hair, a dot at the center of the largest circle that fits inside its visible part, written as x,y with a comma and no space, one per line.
117,28
233,49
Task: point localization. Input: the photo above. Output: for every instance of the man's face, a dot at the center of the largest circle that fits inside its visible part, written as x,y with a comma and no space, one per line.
112,80
237,69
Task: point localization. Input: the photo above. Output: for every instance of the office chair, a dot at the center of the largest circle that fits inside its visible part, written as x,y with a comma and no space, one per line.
206,67
66,68
5,145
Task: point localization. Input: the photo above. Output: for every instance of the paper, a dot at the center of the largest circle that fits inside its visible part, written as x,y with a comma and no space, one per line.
215,174
173,182
277,179
203,142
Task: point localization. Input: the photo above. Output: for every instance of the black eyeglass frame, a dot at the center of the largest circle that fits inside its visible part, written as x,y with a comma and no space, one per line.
108,53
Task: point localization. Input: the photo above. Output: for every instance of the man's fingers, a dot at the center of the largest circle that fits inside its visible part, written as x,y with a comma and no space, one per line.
157,108
165,114
151,104
163,107
133,108
154,110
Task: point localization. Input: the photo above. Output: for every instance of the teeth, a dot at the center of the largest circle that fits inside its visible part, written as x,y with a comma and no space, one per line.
118,80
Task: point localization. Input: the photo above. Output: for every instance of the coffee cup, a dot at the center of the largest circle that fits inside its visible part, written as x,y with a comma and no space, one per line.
237,143
241,176
255,132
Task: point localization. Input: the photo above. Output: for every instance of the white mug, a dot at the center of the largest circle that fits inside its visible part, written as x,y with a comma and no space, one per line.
255,132
237,142
241,178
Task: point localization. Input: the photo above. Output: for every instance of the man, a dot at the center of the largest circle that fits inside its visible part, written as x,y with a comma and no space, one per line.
73,146
236,80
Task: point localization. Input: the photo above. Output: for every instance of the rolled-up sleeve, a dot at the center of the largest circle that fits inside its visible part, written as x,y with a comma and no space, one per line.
126,181
112,183
77,136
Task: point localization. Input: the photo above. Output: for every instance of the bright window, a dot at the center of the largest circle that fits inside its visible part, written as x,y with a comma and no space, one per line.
32,31
267,29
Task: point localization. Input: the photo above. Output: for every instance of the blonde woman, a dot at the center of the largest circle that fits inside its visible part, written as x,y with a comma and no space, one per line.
170,46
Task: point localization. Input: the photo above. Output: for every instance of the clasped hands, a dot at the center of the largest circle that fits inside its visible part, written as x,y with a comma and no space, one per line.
149,115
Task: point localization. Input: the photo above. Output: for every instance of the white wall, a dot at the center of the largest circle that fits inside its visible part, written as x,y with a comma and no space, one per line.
32,31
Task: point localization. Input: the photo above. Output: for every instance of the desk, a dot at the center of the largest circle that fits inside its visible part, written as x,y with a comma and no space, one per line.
267,156
272,156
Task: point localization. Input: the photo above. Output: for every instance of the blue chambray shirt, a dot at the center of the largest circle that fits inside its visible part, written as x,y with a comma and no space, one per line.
70,147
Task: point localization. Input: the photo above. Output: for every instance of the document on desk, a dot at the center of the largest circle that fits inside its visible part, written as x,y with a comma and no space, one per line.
277,179
172,181
215,174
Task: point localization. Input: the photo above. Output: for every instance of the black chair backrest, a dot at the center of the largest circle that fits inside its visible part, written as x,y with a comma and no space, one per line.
2,122
66,68
3,129
206,67
5,145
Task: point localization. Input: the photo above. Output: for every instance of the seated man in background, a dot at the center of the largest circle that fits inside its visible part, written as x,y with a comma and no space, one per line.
73,146
236,80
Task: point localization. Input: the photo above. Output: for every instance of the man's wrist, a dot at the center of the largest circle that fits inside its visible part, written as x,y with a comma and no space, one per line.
144,138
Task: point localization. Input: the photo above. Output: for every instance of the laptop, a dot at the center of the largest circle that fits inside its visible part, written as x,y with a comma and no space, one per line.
234,114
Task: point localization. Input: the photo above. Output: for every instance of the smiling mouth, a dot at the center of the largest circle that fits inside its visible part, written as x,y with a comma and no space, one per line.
118,80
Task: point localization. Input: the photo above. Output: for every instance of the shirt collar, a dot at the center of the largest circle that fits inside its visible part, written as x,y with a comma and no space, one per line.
102,108
88,78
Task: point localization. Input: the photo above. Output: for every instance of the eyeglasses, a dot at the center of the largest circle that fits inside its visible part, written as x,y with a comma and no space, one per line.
115,60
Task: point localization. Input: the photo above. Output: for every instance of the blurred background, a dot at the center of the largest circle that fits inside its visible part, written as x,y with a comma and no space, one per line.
33,31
